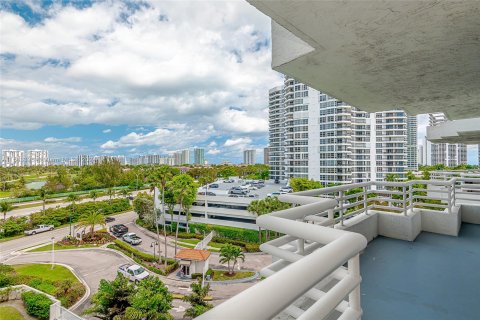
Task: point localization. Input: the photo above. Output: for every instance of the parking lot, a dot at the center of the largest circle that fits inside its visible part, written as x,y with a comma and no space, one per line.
262,193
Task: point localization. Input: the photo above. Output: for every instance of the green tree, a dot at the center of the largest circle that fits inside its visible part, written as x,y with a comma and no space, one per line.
302,184
143,206
161,176
59,182
112,298
198,305
230,254
90,220
151,301
94,195
108,172
391,177
5,207
185,191
124,192
44,196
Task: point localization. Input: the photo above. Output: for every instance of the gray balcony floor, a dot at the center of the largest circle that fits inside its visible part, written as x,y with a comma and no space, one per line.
434,277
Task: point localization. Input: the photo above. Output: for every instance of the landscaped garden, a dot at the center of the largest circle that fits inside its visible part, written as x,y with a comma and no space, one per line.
59,282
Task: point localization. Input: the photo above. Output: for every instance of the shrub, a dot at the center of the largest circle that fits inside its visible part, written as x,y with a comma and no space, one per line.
245,235
37,304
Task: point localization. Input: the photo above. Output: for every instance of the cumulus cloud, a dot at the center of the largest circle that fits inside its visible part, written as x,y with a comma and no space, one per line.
213,151
70,139
237,142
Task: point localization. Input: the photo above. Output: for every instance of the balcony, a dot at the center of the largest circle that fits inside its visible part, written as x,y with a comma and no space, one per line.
323,268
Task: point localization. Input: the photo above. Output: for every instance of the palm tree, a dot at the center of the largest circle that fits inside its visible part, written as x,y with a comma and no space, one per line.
94,195
230,253
72,198
43,195
162,175
184,189
110,193
5,206
91,219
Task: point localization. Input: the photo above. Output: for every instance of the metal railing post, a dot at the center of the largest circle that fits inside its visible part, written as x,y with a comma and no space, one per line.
340,199
449,198
404,200
410,196
365,201
331,216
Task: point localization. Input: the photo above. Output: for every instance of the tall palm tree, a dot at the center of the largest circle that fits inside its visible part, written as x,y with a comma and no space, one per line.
184,188
72,198
5,207
94,195
43,195
162,175
91,219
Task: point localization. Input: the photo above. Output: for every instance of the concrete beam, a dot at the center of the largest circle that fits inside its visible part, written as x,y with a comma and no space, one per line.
420,56
465,131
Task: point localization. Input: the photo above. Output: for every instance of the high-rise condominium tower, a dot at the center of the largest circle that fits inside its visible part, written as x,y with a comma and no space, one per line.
12,158
37,158
450,155
199,156
327,140
276,136
249,156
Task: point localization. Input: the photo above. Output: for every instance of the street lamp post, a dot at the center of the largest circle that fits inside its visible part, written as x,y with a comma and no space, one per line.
153,246
53,251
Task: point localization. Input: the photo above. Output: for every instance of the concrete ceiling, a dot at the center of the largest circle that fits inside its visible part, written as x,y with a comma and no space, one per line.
421,56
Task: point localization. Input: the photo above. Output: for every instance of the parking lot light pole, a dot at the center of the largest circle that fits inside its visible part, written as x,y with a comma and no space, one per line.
153,246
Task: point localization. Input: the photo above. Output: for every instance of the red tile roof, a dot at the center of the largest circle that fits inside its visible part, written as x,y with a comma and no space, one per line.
193,254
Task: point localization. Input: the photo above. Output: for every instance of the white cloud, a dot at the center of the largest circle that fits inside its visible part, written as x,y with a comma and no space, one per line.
70,139
237,142
107,130
213,151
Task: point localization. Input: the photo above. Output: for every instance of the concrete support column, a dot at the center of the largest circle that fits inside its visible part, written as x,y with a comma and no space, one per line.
354,296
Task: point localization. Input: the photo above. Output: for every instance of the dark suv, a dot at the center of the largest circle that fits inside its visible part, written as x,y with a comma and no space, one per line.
118,230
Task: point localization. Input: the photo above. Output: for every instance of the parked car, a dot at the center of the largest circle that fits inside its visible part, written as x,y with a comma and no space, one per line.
277,181
228,181
39,229
214,185
132,238
237,192
233,196
286,189
273,194
133,272
109,219
118,230
253,195
208,193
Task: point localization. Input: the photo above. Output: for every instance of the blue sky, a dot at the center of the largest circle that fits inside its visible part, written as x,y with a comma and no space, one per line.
136,77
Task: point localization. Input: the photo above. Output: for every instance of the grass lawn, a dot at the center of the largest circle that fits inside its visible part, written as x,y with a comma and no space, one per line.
48,247
45,272
10,313
5,194
190,243
221,275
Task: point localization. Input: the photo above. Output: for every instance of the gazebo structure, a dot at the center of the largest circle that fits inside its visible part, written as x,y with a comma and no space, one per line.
193,261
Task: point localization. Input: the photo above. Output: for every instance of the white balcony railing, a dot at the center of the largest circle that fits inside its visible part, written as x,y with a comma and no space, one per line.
316,273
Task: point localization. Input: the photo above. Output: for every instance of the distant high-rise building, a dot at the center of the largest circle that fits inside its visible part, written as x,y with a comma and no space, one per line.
152,159
84,160
421,155
450,155
186,157
37,158
249,156
316,136
12,158
276,133
266,155
199,156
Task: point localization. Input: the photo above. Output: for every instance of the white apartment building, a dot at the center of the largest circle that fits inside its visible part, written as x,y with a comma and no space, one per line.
13,158
84,160
450,155
37,158
199,156
327,140
249,156
276,133
151,159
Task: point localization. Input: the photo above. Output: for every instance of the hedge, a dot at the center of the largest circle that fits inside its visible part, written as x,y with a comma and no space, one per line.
60,216
37,304
199,275
240,234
